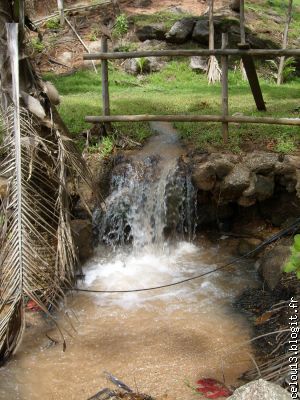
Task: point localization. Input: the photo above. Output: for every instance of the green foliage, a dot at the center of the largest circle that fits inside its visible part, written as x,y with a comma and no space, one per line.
167,18
127,47
53,23
293,264
289,68
94,34
285,145
106,146
121,26
142,64
37,46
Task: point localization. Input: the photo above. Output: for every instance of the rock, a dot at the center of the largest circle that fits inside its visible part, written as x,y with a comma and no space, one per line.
52,93
201,31
223,164
152,44
198,63
137,66
280,208
101,170
142,3
261,162
204,177
260,390
236,182
235,5
247,244
83,238
271,264
244,201
3,188
181,31
264,187
65,58
151,32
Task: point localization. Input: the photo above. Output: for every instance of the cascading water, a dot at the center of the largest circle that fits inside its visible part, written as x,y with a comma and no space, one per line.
155,340
152,197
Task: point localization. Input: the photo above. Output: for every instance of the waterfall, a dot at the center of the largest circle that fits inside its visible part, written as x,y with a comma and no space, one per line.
152,198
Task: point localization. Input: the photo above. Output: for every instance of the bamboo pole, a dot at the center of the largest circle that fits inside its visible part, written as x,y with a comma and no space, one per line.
194,118
224,63
60,6
72,9
104,72
285,42
190,53
242,22
80,40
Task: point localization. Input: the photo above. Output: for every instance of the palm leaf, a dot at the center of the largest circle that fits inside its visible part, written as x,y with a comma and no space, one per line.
37,254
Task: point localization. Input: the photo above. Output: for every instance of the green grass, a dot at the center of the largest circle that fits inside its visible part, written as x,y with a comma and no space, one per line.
263,22
167,18
178,90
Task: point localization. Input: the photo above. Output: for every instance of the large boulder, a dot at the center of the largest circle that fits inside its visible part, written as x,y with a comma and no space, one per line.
83,238
199,63
151,32
261,162
236,182
271,264
260,390
201,31
235,5
222,163
146,65
181,31
264,187
280,208
204,177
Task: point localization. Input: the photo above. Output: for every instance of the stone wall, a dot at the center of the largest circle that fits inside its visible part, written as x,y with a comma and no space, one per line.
226,183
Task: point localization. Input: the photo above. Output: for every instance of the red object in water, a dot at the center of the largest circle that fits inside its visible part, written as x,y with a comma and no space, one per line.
33,306
212,389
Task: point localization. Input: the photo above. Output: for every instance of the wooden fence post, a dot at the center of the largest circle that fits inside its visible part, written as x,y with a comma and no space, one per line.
60,6
104,73
242,22
224,64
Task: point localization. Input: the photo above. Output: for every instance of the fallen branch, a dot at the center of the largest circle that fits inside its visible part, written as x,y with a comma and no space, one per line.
68,10
80,40
53,61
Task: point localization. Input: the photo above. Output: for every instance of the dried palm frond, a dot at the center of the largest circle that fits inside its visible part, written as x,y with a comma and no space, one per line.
37,253
213,71
243,71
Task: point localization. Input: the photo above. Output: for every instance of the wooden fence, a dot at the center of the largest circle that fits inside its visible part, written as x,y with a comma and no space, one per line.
243,51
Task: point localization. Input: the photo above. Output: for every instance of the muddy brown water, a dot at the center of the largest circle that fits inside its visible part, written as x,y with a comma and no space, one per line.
155,342
158,342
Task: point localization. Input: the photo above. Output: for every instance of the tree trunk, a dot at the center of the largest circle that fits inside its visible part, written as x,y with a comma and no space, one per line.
285,42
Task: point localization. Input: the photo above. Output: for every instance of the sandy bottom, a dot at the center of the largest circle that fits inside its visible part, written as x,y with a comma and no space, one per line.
156,342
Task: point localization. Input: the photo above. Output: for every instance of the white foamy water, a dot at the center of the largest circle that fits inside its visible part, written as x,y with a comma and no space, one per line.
152,267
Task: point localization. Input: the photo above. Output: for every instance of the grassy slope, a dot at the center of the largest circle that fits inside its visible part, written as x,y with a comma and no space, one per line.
177,89
259,17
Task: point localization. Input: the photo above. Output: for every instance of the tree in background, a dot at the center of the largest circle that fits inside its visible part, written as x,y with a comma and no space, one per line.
285,42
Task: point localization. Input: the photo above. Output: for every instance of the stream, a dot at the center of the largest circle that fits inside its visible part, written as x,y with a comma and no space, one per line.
158,342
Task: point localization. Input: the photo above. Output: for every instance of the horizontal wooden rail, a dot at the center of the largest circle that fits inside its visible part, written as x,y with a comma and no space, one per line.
194,118
190,53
